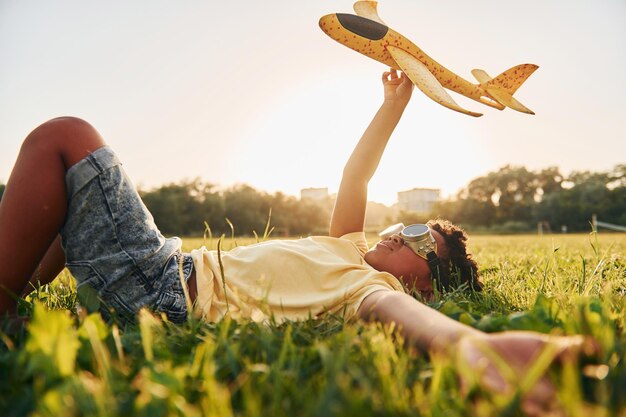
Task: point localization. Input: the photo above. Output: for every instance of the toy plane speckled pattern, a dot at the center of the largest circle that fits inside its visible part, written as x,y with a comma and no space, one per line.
368,34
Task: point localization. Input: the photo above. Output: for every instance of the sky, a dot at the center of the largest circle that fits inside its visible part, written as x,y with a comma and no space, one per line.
254,92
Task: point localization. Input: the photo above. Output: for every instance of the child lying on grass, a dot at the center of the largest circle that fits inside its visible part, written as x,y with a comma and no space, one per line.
69,203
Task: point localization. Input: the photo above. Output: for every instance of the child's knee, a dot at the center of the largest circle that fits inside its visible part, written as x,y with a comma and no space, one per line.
67,122
71,137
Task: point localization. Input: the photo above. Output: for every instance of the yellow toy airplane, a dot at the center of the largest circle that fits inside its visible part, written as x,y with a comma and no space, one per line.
368,34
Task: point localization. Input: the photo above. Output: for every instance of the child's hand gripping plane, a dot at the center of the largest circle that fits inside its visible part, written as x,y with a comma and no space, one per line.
368,34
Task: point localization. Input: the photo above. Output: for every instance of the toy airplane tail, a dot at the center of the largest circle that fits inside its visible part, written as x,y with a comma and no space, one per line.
502,88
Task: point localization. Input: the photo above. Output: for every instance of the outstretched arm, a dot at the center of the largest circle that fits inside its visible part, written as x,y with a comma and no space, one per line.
349,212
421,326
496,361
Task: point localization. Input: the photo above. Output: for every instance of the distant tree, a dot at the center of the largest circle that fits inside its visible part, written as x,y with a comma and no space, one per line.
515,196
510,199
506,195
2,187
299,217
469,212
588,193
183,208
409,217
588,178
246,208
513,193
617,177
615,211
548,180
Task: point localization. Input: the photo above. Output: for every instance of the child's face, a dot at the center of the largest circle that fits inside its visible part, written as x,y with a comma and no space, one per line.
393,256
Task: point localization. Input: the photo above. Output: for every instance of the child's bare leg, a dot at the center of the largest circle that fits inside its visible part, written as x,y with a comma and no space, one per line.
34,204
50,266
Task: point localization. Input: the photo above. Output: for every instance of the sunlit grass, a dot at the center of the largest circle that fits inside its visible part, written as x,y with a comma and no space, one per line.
70,365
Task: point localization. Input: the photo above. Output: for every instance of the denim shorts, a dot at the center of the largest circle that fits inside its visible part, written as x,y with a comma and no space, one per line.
112,244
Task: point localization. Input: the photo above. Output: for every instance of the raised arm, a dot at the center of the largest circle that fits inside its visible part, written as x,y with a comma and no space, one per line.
349,212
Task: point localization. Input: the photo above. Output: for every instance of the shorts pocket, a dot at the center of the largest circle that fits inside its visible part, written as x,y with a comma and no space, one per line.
89,282
86,274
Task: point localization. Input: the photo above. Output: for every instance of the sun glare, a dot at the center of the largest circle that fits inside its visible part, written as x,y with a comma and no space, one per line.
310,129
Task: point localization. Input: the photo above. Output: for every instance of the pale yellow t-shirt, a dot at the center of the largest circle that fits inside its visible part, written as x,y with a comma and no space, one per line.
289,279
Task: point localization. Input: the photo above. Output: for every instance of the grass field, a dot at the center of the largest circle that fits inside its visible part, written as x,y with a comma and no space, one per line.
66,365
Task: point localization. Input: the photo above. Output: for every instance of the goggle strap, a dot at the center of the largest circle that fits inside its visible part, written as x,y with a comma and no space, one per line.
434,264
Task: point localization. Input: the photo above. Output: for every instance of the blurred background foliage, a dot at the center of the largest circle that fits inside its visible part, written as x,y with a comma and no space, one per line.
512,199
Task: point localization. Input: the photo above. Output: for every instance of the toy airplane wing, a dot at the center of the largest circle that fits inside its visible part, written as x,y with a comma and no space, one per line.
368,10
425,80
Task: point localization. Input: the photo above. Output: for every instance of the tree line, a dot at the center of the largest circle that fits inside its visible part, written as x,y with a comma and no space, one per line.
511,199
191,208
516,199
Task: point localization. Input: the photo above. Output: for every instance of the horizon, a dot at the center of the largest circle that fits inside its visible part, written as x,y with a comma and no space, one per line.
282,110
443,197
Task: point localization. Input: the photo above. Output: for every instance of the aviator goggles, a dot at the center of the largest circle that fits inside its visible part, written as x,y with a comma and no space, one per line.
420,239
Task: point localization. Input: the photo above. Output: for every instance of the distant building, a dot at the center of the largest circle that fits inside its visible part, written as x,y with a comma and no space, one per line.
314,194
419,200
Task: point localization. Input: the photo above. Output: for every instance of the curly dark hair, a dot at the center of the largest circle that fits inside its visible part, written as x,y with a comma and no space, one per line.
457,266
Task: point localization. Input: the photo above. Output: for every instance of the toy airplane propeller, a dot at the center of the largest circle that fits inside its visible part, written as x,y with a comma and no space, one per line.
368,34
